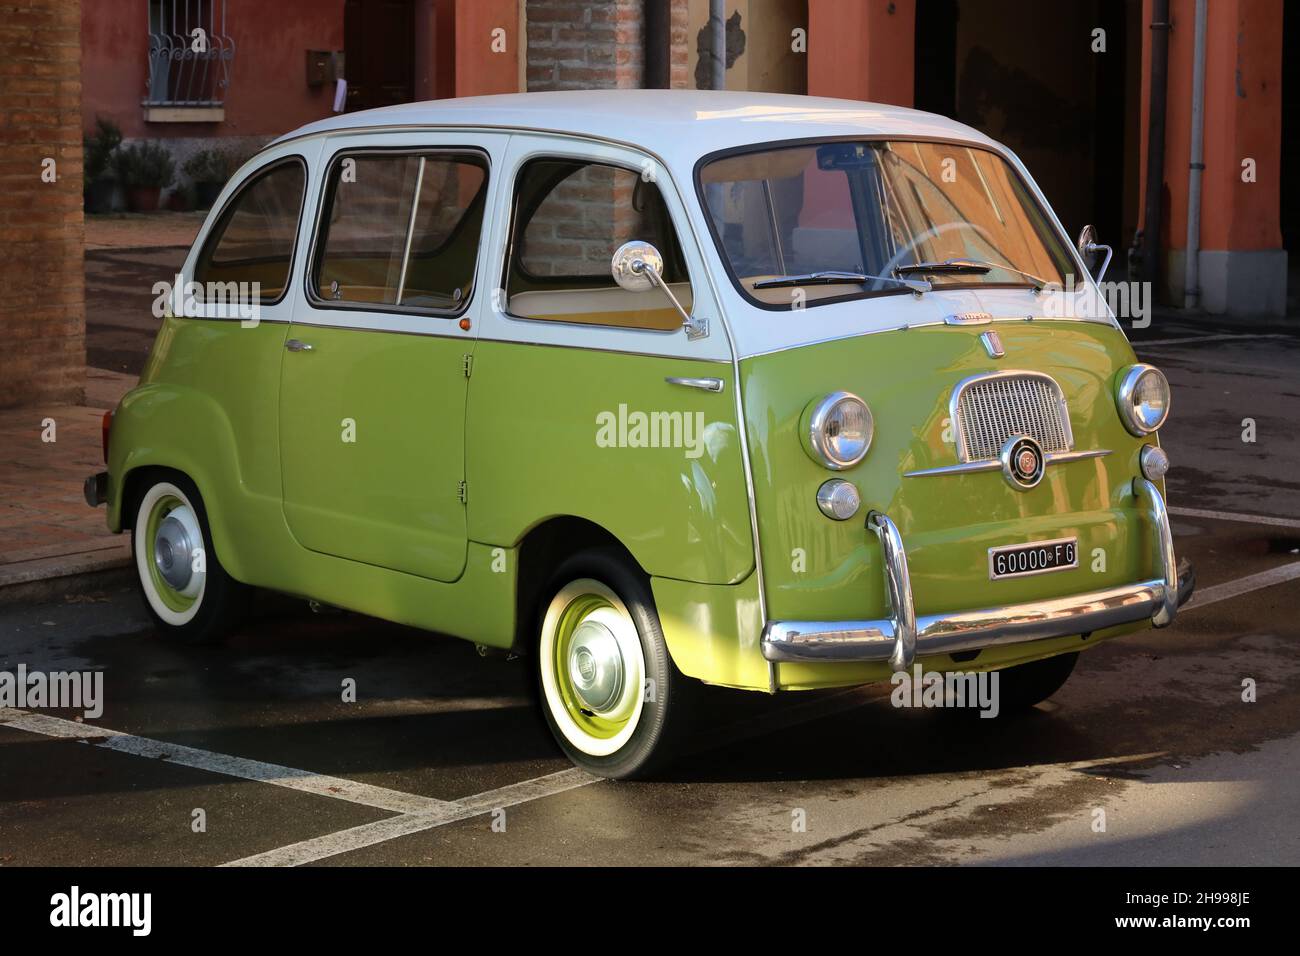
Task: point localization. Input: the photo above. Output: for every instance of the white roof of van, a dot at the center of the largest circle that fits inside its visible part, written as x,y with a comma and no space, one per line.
678,122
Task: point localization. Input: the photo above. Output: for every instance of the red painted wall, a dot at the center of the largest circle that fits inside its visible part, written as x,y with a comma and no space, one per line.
480,69
1243,117
268,91
862,51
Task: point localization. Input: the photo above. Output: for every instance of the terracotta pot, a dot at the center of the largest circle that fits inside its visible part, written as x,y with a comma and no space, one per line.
206,194
99,195
142,198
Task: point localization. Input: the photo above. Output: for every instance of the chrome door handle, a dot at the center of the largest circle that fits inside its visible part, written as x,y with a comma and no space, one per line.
708,384
296,345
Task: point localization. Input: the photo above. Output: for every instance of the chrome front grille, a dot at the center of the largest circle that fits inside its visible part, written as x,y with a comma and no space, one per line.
989,409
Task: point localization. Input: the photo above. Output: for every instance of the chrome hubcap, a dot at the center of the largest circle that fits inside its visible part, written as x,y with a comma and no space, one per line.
172,548
596,666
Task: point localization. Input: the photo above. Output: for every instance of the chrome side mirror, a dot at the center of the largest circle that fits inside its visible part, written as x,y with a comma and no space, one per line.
638,267
1088,247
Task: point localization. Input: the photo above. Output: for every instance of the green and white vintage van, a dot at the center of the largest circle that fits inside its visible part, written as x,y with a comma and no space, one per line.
653,388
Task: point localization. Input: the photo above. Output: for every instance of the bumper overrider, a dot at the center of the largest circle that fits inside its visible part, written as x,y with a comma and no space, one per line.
904,636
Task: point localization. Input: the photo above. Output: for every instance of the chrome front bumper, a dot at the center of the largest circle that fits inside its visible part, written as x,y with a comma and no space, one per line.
903,636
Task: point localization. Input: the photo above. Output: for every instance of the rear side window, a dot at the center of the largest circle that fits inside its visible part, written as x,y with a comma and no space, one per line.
253,240
569,217
401,230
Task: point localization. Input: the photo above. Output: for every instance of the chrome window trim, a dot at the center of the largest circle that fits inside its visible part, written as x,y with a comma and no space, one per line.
954,405
328,165
513,195
200,246
904,326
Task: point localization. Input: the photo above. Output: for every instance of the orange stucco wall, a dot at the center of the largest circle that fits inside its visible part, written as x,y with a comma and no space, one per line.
268,91
1243,113
862,50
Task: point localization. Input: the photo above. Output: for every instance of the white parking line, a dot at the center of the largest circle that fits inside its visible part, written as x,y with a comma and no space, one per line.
1196,339
1251,582
1235,516
337,788
381,831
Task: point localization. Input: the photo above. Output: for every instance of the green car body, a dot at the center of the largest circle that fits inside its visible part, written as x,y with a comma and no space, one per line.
435,480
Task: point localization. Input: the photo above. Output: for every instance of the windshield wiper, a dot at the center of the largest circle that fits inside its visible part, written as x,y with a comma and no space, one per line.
838,278
968,267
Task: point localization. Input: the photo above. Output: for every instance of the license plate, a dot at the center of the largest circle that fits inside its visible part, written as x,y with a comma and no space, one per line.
1037,557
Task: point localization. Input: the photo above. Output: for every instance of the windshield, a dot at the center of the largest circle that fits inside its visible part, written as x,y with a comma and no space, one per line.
804,225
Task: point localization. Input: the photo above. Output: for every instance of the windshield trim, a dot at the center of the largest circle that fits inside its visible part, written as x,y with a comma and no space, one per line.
1049,216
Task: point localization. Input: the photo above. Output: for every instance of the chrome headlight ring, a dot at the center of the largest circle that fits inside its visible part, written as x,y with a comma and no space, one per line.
1141,415
823,424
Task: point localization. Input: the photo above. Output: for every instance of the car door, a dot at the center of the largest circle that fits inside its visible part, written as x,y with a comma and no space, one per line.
595,402
373,378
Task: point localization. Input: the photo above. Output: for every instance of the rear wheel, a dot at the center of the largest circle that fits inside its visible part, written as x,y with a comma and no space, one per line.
1023,686
186,591
609,691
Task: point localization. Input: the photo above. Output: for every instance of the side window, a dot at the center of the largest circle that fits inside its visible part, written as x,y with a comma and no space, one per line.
569,217
401,230
253,240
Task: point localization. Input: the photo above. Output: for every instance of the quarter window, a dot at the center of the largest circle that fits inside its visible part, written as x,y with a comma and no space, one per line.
253,240
401,230
569,218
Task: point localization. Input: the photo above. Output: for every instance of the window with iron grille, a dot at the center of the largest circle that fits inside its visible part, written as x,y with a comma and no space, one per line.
190,53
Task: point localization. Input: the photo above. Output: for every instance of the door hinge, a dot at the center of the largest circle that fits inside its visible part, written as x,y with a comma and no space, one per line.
467,364
460,493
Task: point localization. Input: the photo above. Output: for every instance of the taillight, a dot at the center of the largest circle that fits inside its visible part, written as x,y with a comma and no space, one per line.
106,426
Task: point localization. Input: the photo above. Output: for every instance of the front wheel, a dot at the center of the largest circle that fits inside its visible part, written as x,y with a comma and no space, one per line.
187,592
609,690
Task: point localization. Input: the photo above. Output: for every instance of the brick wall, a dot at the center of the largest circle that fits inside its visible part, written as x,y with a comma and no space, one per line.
679,32
584,46
42,312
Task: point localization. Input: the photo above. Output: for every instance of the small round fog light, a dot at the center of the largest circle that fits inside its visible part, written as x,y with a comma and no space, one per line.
838,499
1154,462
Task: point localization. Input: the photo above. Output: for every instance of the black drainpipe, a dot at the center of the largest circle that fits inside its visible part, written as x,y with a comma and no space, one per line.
1156,142
658,44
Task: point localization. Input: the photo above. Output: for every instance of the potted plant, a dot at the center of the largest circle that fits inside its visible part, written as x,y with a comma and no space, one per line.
181,199
145,170
97,183
208,169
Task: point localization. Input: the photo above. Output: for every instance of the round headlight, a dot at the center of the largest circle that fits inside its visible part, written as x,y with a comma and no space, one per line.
1143,399
837,430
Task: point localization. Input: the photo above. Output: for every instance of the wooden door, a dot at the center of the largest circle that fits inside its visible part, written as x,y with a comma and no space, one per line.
379,51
